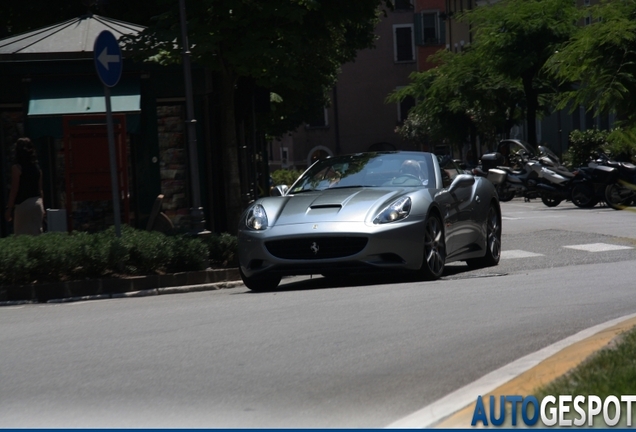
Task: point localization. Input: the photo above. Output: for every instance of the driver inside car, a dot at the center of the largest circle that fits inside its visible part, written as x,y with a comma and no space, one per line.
412,168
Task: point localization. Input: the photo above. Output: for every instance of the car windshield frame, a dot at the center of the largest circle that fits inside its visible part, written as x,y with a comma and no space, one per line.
370,169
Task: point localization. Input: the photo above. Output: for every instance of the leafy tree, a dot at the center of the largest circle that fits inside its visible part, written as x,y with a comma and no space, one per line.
292,47
458,98
601,60
517,37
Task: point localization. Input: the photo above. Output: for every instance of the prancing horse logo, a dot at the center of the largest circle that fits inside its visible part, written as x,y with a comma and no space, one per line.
314,248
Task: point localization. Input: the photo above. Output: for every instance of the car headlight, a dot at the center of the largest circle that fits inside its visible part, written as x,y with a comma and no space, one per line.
256,218
397,210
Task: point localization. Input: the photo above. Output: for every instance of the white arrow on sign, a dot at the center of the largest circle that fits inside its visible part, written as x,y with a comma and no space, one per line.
104,58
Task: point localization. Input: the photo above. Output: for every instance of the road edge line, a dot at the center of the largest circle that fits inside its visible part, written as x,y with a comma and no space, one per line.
437,411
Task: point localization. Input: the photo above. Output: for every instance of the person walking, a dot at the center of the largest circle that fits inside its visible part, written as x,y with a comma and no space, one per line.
25,205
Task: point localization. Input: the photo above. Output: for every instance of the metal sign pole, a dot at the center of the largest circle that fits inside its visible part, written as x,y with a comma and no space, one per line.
114,175
108,64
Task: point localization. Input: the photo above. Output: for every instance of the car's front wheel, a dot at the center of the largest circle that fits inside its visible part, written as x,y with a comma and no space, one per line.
493,242
434,249
261,282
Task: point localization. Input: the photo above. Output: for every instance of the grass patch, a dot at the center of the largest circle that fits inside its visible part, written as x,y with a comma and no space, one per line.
609,372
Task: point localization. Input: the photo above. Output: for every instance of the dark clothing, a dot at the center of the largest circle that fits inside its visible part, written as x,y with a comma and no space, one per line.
29,183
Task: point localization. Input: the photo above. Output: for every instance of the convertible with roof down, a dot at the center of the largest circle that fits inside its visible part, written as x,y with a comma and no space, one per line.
376,211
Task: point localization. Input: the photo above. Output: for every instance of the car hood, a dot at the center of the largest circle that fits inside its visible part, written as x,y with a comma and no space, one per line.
331,205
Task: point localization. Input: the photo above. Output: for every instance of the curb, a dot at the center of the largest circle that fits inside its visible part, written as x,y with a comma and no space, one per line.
135,286
545,372
521,377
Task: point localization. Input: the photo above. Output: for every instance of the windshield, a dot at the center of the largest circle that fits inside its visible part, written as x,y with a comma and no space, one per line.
550,154
374,169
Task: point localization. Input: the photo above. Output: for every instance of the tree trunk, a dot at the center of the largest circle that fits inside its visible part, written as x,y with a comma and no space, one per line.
510,122
531,109
230,151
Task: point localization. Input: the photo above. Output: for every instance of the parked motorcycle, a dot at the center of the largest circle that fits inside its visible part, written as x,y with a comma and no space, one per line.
511,182
621,193
596,177
540,176
489,168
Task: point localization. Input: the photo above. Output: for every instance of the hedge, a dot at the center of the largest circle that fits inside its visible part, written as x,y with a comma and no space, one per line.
53,257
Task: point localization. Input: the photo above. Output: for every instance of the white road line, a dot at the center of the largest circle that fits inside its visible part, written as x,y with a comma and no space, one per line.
598,247
455,401
513,254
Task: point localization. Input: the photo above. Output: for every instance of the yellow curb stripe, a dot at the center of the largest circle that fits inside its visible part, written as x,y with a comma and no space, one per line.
544,373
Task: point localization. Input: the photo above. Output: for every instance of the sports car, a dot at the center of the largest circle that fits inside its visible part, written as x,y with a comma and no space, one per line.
375,211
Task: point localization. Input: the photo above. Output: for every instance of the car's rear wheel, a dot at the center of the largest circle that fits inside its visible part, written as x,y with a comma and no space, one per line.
493,242
261,282
434,249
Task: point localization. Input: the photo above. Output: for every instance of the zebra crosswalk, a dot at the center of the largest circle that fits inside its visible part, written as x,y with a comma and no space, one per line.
590,247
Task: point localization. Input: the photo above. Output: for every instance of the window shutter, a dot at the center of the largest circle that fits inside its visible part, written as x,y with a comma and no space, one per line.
442,31
417,29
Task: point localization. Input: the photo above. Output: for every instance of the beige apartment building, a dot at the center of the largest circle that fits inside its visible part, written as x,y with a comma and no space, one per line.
359,117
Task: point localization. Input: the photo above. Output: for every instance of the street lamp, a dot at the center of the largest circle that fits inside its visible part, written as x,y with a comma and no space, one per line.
197,219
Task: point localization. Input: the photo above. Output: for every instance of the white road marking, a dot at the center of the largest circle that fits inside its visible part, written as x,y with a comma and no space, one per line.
457,400
509,218
513,254
598,247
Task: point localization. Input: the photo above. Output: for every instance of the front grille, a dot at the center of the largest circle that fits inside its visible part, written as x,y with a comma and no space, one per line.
316,247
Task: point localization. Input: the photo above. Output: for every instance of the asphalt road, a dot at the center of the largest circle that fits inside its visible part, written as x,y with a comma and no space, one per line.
356,353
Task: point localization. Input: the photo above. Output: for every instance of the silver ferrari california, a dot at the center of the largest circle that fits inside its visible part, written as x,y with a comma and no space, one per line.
377,211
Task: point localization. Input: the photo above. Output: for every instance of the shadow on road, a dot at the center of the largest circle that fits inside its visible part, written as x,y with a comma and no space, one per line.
452,271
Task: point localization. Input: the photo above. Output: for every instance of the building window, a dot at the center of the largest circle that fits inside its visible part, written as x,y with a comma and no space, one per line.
403,4
430,28
284,156
403,43
404,106
321,121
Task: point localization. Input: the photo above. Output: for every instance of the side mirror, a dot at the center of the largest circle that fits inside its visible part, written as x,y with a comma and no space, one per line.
461,181
279,190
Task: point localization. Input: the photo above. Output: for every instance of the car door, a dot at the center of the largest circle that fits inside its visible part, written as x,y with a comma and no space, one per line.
457,206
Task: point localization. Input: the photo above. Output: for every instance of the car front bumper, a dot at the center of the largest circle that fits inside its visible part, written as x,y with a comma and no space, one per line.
329,247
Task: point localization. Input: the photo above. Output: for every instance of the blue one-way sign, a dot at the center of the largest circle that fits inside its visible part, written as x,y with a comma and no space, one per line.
108,61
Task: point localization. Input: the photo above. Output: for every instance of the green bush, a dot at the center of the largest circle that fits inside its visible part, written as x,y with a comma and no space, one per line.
53,257
187,254
618,143
583,144
147,251
622,144
15,265
223,249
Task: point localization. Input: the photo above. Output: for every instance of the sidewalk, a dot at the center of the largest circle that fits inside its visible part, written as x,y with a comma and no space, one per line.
134,286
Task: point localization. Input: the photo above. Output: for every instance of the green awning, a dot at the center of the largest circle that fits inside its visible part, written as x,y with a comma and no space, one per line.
81,97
